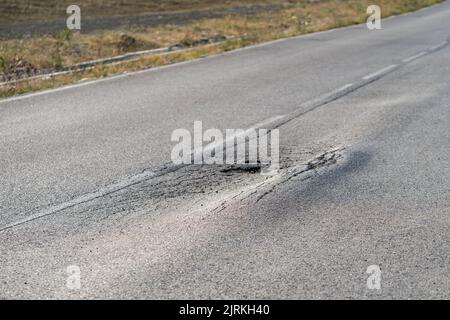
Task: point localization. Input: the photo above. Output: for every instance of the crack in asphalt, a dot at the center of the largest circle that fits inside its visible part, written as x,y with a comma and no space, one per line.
322,161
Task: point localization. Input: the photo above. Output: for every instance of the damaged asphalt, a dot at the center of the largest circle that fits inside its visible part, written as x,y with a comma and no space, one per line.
363,179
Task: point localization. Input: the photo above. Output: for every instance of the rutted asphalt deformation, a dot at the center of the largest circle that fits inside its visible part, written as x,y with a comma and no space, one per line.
201,183
277,122
309,239
207,181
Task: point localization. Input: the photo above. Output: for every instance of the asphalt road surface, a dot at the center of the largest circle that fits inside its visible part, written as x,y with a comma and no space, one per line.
87,180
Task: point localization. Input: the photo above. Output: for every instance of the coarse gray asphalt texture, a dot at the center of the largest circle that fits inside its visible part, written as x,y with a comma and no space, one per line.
198,233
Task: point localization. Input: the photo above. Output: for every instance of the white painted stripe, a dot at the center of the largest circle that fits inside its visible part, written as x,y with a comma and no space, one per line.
84,198
414,57
439,46
125,182
198,153
380,72
344,88
94,81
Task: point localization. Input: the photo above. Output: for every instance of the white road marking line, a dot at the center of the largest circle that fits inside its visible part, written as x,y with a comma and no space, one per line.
127,182
84,198
380,72
414,57
266,124
347,86
439,46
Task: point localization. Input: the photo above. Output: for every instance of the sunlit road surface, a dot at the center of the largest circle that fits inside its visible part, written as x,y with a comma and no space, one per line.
87,181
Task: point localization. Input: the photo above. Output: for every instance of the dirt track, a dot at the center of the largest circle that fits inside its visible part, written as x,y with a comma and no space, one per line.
23,29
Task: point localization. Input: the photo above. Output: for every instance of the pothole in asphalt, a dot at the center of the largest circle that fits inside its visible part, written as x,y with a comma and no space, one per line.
244,168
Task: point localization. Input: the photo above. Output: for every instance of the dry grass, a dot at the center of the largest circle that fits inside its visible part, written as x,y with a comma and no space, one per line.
66,49
34,10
